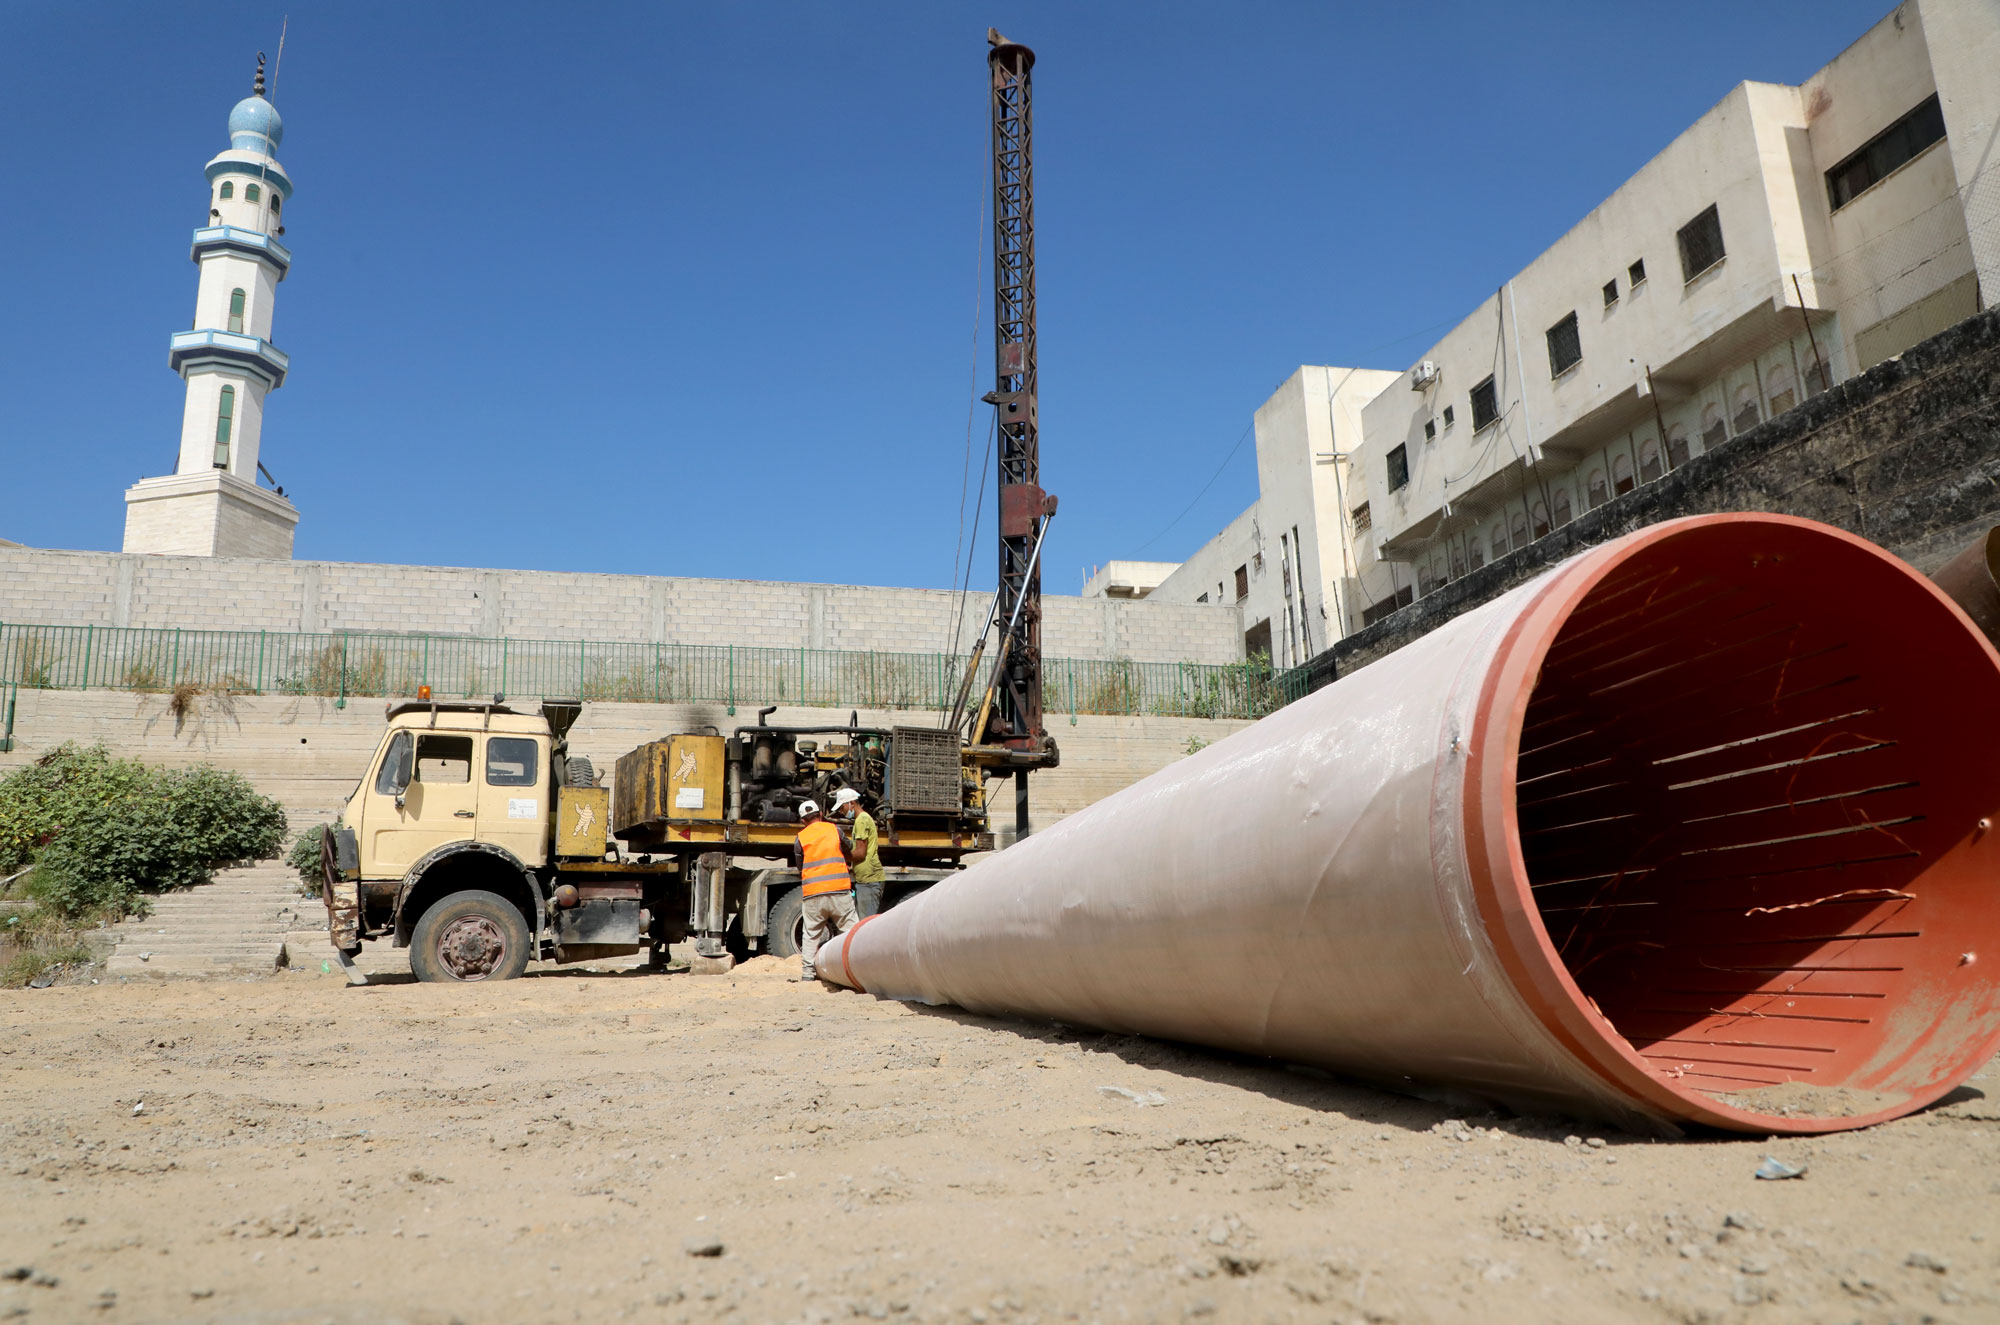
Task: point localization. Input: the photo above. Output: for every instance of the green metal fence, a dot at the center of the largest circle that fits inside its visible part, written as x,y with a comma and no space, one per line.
353,665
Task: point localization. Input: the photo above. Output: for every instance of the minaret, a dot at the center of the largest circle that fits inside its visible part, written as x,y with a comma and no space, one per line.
211,505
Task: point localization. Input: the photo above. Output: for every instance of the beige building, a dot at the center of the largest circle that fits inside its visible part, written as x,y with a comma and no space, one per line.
1790,238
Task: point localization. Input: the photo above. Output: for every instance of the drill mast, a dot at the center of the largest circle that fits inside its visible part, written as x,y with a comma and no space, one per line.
1017,721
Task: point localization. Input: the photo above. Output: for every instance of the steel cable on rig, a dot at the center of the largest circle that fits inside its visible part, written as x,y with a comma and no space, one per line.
959,548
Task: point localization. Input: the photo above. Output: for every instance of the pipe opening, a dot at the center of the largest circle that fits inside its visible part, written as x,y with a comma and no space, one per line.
1748,789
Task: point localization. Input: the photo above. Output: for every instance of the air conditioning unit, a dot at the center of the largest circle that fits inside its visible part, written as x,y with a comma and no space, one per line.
1423,375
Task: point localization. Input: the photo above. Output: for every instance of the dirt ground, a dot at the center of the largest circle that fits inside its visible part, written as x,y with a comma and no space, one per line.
565,1147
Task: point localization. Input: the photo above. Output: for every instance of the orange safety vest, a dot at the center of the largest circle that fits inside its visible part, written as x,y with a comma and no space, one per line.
825,868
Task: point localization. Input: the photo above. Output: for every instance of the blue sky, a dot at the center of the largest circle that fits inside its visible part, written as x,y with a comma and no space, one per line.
690,289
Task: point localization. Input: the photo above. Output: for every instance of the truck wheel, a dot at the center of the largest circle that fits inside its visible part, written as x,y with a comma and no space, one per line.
785,927
578,772
470,936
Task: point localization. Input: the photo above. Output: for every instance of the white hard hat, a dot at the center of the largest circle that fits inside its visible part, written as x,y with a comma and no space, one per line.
808,808
845,795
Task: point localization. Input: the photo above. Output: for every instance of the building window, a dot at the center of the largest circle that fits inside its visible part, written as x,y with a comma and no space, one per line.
1815,380
228,189
1746,409
1649,460
251,193
1621,474
1457,559
1701,244
1598,493
1778,385
1636,273
1561,500
1677,446
1610,292
1518,526
1565,346
1362,519
1399,468
1499,540
1713,431
1430,430
1242,583
1888,150
1476,552
1203,597
274,204
1447,417
1541,520
225,416
1427,581
236,310
1485,405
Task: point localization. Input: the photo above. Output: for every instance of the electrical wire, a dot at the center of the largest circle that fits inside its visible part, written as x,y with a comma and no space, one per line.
1204,488
978,513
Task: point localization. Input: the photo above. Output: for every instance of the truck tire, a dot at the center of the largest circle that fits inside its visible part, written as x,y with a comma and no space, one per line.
578,772
472,935
785,924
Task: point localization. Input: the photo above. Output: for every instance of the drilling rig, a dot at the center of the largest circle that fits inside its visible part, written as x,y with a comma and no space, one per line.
1007,732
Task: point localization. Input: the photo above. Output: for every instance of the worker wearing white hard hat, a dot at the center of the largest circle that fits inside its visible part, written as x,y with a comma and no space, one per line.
823,853
869,875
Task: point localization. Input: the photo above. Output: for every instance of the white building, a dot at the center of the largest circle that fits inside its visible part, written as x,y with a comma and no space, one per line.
1127,579
1792,237
211,505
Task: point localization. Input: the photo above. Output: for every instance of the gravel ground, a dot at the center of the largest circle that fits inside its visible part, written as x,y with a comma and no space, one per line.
579,1146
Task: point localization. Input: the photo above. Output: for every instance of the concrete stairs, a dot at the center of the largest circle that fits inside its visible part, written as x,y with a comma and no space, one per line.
237,923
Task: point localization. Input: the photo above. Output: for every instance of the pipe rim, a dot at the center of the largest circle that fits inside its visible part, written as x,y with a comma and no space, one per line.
1498,868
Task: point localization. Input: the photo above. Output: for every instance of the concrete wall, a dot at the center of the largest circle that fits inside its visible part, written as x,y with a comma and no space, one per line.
43,587
308,754
1907,454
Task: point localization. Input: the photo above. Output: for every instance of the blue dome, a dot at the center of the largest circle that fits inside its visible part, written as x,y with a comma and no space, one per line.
256,126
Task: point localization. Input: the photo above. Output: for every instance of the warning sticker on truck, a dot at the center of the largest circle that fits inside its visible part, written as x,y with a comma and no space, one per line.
688,798
521,807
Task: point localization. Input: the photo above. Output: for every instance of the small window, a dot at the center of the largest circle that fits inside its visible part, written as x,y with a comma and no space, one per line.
1399,468
1430,430
394,774
1636,273
1565,346
274,204
1677,446
1362,518
1541,520
1714,432
1476,552
228,189
1815,380
444,760
1649,460
1888,150
1518,526
1485,405
511,762
1610,292
1746,410
1561,500
1242,583
236,310
1447,417
1499,540
1457,559
251,193
1598,494
1701,244
1778,390
1621,474
1203,597
1427,580
225,418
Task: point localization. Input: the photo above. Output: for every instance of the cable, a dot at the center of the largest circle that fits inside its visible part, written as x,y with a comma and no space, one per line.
978,513
972,402
1204,488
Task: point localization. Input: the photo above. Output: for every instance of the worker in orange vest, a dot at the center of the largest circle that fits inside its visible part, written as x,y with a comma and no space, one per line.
822,853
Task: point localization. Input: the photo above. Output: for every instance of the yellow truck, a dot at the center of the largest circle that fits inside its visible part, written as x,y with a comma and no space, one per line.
477,840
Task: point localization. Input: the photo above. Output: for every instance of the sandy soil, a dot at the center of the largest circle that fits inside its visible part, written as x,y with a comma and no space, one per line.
557,1148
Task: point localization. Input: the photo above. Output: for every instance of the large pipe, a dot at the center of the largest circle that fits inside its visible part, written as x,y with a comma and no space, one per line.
1972,580
1694,828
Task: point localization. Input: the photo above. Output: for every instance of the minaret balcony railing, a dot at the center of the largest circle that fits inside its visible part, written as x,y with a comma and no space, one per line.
188,350
236,239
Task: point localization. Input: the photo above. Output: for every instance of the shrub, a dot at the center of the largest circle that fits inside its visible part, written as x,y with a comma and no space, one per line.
304,857
103,832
